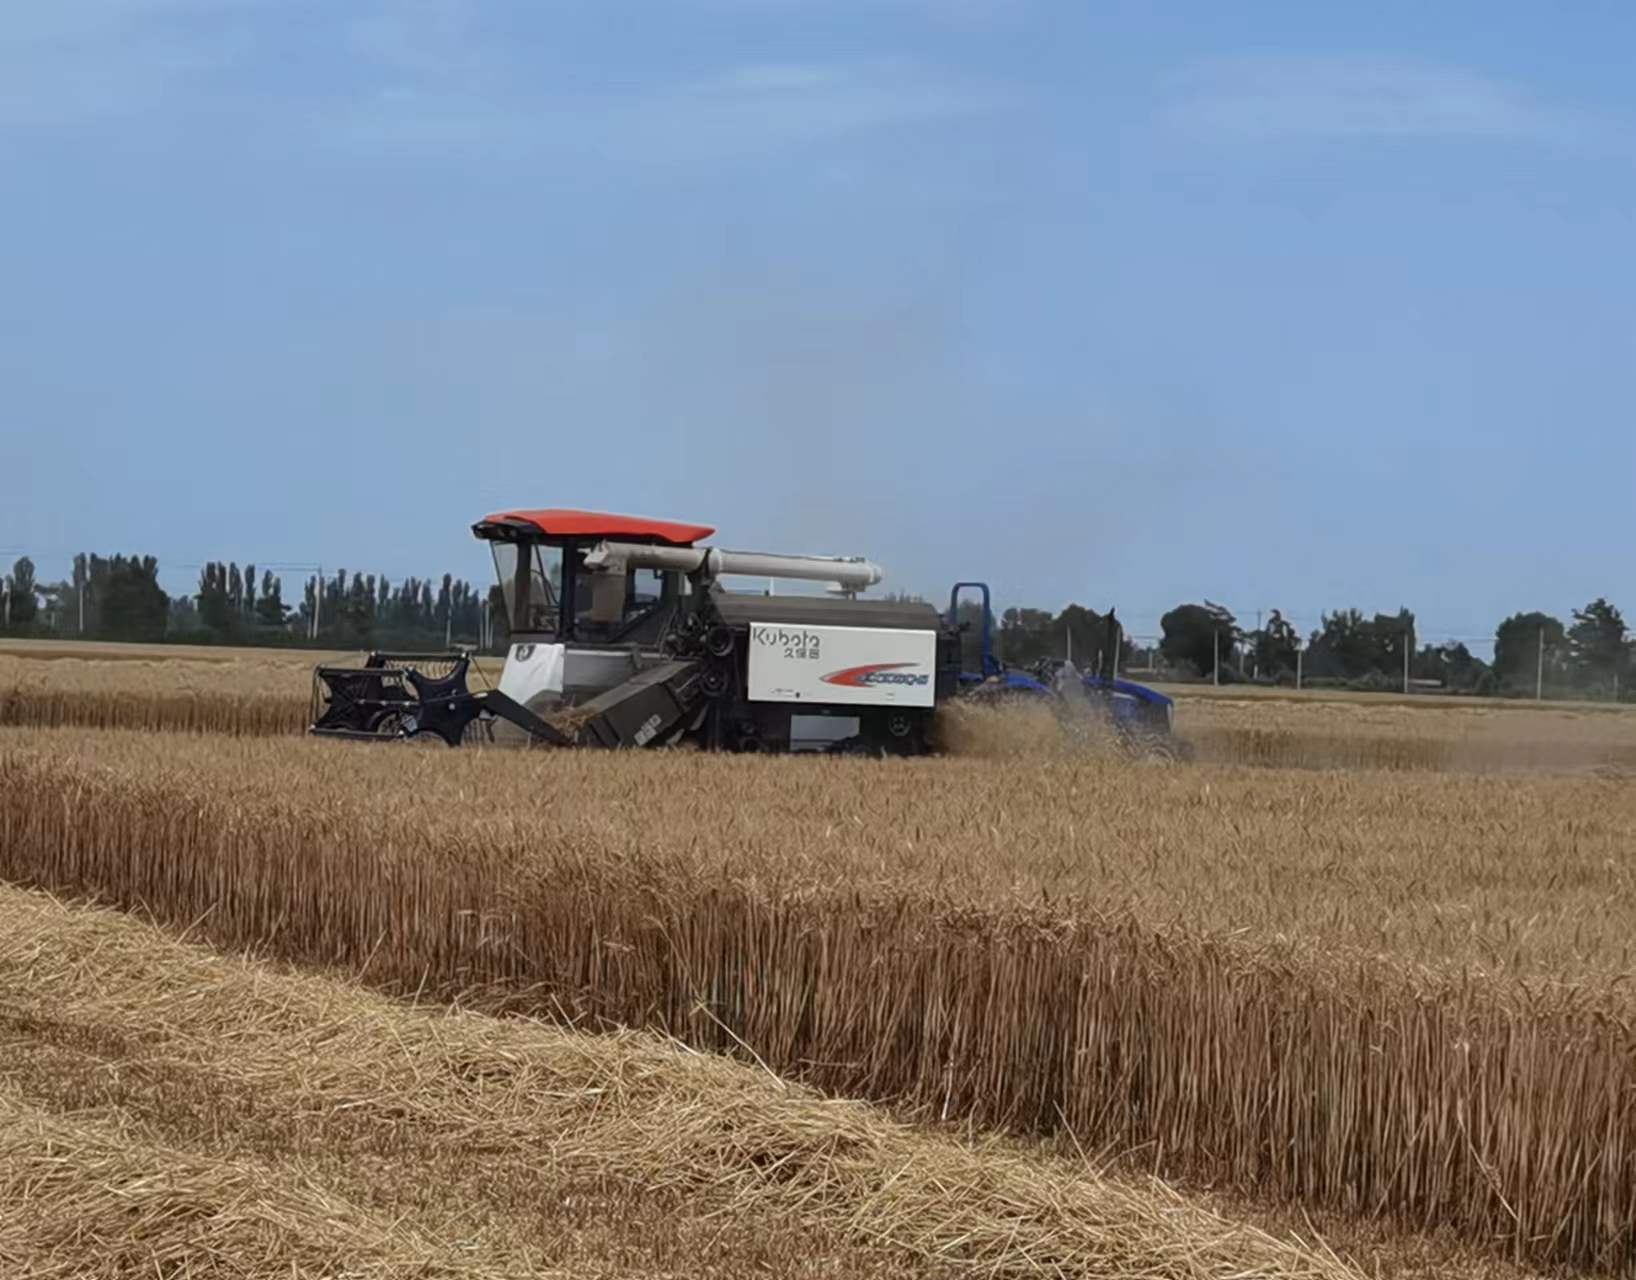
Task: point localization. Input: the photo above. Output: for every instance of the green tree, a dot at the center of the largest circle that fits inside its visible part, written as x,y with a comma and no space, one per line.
1353,647
24,592
270,608
214,600
1391,636
445,604
1599,646
1273,648
1081,634
1025,637
1519,642
131,605
1194,635
357,609
1452,664
184,617
1342,645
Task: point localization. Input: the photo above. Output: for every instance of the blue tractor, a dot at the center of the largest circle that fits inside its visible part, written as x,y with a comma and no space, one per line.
1142,719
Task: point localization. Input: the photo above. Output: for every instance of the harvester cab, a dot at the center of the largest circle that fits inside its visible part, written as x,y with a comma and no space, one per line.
578,631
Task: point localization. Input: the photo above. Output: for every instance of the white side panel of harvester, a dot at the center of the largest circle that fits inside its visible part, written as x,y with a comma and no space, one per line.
846,666
532,669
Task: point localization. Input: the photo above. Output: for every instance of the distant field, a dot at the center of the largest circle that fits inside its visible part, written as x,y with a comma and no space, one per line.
110,651
236,691
1194,689
1363,731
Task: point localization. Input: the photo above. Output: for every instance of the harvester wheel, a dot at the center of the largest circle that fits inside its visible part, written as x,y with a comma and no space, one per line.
388,724
1156,746
899,725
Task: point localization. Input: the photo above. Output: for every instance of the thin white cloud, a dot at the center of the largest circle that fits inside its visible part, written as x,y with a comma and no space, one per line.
776,76
423,79
1347,96
954,12
69,25
749,110
72,60
419,38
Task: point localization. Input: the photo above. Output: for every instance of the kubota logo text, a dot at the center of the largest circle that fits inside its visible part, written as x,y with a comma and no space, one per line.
775,637
876,673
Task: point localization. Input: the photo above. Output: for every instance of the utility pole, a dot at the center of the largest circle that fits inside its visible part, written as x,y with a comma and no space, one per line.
1407,644
1215,658
1300,653
317,600
1539,668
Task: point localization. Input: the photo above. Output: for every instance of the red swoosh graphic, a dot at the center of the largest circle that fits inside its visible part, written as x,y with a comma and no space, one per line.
853,677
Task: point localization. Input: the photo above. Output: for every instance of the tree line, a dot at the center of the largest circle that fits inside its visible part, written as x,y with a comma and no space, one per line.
1592,656
119,598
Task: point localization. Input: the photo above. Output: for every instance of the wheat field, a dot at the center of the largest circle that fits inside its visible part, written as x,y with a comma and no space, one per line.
1397,996
161,1105
238,692
1365,959
267,692
1325,730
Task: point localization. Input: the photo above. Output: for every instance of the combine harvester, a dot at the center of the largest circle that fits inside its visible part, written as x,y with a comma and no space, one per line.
622,635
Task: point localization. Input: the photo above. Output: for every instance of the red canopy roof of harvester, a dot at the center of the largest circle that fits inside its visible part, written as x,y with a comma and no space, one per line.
566,522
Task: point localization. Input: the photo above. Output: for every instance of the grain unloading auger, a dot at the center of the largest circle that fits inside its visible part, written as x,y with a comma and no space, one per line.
623,635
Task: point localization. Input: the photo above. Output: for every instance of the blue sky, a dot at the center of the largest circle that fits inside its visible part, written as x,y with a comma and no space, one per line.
1283,305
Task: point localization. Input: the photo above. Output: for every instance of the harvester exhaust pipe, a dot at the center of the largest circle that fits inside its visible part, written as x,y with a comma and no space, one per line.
849,574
